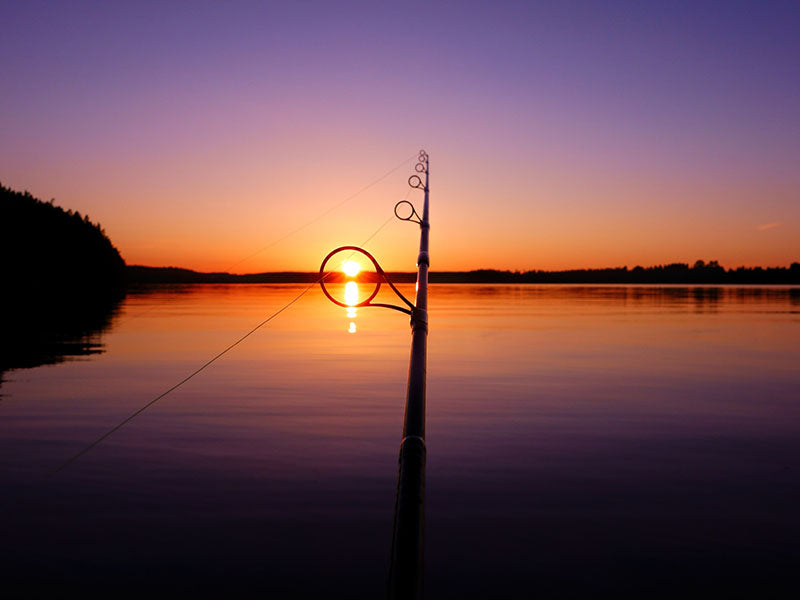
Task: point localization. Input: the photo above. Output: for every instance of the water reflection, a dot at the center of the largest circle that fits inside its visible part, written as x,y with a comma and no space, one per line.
699,298
351,293
42,333
598,440
351,298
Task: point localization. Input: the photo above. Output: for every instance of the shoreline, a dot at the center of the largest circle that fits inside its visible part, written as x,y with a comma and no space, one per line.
677,274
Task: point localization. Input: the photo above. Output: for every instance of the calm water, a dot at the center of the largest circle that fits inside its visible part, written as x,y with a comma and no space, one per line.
631,440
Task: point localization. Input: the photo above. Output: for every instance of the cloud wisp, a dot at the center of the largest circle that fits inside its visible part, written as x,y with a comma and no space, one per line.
768,226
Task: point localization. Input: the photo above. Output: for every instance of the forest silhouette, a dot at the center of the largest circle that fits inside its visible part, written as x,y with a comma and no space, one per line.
63,280
46,248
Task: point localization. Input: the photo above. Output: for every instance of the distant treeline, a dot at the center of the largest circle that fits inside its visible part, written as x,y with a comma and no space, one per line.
140,274
681,273
700,272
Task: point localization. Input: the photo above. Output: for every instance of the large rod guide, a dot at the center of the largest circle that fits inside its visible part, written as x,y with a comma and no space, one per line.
406,570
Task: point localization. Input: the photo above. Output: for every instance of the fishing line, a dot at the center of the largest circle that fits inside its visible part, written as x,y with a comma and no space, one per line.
292,232
208,363
327,212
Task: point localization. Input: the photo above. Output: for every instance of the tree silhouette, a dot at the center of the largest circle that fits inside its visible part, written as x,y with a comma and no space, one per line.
62,280
45,248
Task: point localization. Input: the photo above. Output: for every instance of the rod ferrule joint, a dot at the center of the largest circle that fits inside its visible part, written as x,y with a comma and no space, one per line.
419,319
412,447
412,439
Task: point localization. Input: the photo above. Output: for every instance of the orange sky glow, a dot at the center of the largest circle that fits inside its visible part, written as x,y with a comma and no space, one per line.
557,140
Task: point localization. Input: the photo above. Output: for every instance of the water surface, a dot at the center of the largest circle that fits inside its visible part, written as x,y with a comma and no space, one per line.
581,439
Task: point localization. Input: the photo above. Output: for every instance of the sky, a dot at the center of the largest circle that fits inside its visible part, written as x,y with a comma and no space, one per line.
236,136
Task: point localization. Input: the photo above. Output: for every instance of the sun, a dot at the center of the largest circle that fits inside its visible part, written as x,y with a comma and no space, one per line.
351,268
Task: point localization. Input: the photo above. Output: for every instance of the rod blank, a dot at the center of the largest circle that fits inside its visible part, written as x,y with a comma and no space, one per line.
407,568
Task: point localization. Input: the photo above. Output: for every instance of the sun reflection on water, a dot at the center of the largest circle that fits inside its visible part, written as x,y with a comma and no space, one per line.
351,298
351,293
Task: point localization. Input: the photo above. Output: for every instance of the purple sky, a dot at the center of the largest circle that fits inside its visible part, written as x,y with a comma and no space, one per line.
561,134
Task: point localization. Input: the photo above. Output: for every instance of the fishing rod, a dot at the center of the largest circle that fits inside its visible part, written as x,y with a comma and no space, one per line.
406,565
194,373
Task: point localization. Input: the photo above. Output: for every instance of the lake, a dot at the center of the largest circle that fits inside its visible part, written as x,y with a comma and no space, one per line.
582,440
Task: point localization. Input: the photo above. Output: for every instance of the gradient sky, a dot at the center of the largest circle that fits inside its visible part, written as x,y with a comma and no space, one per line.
561,134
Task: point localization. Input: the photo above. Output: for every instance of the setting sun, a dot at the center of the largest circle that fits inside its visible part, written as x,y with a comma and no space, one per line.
351,268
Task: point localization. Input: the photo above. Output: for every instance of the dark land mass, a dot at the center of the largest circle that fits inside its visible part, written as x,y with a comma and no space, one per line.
46,249
62,280
676,273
